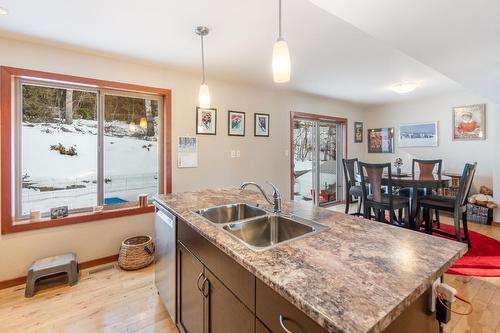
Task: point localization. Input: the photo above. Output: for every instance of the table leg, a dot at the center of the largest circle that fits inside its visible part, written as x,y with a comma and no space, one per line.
413,207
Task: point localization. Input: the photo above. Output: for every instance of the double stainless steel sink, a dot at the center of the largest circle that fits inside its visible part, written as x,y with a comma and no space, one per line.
257,228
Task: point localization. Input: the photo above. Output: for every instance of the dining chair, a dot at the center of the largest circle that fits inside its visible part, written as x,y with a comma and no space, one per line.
378,200
426,168
352,187
457,206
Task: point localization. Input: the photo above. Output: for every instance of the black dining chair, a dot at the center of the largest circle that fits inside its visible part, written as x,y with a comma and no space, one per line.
457,206
426,168
353,189
378,200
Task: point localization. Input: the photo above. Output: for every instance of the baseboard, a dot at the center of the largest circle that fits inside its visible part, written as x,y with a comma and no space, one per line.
495,224
83,265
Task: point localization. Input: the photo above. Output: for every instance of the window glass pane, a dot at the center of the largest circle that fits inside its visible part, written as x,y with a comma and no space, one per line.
58,148
130,148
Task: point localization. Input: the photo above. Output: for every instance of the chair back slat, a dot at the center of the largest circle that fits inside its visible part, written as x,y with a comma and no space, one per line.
465,184
426,167
371,176
349,171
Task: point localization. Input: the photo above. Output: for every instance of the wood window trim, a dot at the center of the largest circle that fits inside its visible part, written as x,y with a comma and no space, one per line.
302,115
7,76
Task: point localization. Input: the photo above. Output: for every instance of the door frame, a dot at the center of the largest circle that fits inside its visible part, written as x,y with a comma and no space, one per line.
318,117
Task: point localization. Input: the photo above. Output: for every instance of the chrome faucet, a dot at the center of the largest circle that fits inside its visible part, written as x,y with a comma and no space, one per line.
276,202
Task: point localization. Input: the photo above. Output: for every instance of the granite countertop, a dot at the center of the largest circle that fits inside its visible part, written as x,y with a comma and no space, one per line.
357,276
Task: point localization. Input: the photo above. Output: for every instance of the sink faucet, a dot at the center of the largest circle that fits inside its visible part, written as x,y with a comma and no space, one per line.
276,202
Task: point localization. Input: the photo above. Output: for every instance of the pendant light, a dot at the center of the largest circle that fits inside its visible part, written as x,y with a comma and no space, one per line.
204,94
281,56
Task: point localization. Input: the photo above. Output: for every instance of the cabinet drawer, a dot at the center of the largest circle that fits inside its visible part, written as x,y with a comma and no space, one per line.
240,281
275,312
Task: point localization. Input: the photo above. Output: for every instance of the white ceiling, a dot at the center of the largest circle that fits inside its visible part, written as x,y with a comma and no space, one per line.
459,38
329,56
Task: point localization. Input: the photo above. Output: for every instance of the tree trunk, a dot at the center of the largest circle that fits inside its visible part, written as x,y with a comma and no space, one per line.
69,107
149,117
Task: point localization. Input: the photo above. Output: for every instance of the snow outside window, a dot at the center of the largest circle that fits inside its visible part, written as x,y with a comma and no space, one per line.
60,131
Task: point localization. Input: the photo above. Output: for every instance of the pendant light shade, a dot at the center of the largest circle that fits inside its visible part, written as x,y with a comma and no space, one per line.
281,62
204,96
281,56
204,93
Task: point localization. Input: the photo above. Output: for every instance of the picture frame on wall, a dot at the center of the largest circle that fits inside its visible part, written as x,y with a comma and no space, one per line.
469,122
206,121
418,135
381,140
236,123
358,132
261,124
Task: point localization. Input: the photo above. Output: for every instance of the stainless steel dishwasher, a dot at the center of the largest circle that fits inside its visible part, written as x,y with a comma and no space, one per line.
165,229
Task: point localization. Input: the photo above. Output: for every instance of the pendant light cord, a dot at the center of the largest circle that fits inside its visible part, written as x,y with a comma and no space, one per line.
279,20
202,61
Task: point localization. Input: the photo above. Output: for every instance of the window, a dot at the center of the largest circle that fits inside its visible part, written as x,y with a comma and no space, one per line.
80,145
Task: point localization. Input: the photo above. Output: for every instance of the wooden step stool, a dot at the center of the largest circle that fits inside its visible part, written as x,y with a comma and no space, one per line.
65,263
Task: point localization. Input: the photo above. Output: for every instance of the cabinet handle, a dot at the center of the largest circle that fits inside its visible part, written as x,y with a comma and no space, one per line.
207,292
282,324
198,281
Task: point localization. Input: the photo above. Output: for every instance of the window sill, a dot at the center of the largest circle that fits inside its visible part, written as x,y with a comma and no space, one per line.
20,226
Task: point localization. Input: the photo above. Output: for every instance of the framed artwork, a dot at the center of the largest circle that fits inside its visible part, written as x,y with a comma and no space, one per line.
358,132
418,135
187,152
206,121
261,125
236,123
469,122
381,140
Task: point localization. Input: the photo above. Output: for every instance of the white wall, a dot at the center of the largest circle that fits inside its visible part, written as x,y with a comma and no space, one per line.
261,158
454,153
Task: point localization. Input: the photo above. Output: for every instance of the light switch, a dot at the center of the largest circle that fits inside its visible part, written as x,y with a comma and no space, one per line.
233,153
238,154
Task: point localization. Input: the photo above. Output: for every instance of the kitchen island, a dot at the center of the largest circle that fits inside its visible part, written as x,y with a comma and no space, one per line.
355,276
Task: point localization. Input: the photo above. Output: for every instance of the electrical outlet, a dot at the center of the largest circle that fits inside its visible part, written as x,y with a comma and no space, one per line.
287,152
432,296
233,153
238,154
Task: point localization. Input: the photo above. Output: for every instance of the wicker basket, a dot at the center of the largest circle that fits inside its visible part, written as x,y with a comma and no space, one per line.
136,252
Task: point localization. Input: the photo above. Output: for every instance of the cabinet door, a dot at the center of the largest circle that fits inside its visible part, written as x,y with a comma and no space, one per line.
226,314
190,299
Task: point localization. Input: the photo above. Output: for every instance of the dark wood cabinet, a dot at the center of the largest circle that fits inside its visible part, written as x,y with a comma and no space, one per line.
280,315
226,314
190,300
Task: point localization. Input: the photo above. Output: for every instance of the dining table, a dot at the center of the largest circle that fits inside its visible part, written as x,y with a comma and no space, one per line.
414,182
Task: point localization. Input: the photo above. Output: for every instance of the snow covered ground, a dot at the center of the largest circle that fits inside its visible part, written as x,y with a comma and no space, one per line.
304,183
51,179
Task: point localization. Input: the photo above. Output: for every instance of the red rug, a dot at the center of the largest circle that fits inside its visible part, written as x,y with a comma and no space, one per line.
482,259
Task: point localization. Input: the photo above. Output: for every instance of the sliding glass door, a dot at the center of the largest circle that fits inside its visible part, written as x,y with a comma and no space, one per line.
317,146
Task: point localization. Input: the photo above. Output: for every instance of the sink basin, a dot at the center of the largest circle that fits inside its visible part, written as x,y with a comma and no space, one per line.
265,232
230,213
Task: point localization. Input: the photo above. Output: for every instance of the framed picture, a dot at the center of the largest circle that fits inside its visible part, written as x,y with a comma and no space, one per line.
261,126
206,121
187,152
381,140
358,132
236,123
418,135
469,122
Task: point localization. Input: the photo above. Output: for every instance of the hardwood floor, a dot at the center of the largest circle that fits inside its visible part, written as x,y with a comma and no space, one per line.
112,300
483,292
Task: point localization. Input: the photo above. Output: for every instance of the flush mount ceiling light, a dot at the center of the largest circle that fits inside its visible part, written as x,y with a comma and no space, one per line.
3,11
404,87
204,94
281,56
